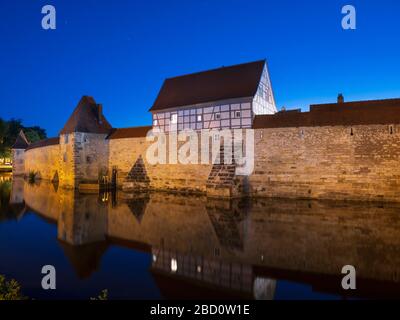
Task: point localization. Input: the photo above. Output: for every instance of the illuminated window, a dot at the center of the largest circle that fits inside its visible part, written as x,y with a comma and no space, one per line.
174,265
199,118
174,118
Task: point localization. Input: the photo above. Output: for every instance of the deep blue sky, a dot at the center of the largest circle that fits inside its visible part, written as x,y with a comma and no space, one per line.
120,51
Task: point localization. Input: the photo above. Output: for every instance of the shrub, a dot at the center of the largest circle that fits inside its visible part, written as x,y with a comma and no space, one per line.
10,290
102,296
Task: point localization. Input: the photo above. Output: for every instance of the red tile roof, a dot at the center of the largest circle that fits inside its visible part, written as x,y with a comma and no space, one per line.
134,132
335,114
353,105
44,143
219,84
21,142
87,117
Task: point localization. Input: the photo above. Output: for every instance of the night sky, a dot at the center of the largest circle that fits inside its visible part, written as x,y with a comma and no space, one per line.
120,51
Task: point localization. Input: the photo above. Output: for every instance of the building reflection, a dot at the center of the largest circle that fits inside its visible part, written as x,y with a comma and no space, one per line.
226,249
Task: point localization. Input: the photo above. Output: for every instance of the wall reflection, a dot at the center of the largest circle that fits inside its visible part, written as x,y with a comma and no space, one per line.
230,248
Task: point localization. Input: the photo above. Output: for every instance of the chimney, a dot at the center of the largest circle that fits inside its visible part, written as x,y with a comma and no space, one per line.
340,98
100,113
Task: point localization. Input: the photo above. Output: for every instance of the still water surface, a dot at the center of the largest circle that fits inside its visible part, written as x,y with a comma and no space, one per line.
163,246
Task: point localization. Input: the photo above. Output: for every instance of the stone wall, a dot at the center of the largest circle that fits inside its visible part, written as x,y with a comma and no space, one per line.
332,162
18,167
337,162
126,154
44,161
90,156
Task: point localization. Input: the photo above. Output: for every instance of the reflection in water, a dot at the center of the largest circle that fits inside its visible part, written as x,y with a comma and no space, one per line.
202,248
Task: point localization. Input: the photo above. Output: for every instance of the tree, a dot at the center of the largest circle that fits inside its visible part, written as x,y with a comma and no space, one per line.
3,130
40,132
14,126
9,131
32,135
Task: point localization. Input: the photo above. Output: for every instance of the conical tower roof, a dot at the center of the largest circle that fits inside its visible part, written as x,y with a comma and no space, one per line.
21,142
87,117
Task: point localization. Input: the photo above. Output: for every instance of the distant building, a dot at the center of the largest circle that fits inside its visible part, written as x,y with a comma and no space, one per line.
18,153
228,97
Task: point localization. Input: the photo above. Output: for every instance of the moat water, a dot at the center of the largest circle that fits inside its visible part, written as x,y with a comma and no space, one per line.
163,246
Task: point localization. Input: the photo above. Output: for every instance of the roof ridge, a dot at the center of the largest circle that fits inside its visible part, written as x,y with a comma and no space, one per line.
356,101
21,142
87,117
216,69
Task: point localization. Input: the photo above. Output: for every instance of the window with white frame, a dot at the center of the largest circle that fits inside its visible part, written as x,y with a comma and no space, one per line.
237,114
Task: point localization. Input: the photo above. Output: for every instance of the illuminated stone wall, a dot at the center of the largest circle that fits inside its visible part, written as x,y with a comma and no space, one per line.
80,157
90,156
43,161
18,165
125,153
338,162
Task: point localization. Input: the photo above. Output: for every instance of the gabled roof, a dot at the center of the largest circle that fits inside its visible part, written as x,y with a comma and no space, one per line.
21,142
224,83
87,117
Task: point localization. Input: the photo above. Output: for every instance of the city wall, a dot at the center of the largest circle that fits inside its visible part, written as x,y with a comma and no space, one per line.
357,162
